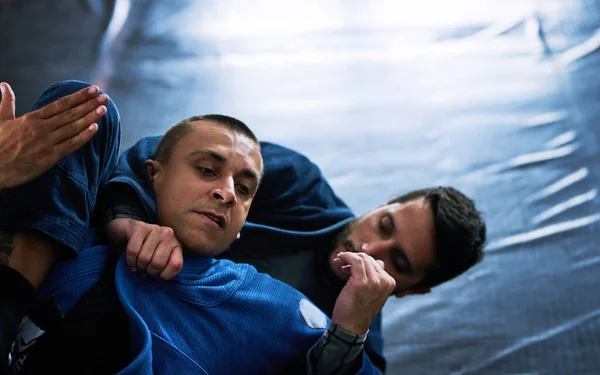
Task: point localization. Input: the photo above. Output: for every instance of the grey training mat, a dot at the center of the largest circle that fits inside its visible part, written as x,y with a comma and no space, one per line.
499,98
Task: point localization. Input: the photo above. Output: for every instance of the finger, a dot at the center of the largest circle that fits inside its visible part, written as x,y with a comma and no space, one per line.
67,103
148,248
371,267
159,259
356,261
73,144
7,105
347,269
76,113
134,246
71,129
174,265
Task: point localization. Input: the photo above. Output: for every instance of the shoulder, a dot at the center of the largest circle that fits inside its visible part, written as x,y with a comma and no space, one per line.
284,300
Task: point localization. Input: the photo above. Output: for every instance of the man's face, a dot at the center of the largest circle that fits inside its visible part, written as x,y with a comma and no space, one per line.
205,190
402,235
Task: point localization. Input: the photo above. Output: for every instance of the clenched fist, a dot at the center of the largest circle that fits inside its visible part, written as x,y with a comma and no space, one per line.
150,249
364,294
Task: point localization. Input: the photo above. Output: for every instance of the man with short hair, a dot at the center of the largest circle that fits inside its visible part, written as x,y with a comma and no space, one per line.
204,188
297,226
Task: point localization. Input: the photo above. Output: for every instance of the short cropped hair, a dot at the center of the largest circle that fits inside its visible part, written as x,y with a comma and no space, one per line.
182,128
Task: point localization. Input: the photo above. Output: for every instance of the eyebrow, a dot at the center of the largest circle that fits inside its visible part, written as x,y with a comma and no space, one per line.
210,153
398,249
222,159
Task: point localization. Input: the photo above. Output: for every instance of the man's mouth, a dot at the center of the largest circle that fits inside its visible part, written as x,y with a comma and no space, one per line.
217,218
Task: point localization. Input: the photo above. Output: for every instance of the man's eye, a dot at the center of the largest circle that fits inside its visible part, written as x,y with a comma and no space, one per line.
245,190
384,226
206,171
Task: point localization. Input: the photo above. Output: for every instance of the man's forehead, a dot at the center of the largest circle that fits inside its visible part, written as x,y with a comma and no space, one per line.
412,206
207,132
417,229
220,143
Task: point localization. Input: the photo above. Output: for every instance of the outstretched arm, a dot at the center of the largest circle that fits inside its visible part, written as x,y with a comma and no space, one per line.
34,142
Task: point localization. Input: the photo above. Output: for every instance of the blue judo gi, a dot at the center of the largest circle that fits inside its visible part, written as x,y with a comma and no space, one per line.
295,211
61,204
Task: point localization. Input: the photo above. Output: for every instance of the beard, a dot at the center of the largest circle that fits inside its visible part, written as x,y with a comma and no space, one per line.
342,240
340,243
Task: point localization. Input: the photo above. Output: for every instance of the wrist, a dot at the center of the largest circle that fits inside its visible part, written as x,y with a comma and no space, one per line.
119,230
348,337
352,327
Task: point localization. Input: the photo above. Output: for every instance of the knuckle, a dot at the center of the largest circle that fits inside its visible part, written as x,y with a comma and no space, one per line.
166,232
61,103
143,259
92,116
147,228
31,132
69,113
155,266
71,144
132,250
72,128
176,264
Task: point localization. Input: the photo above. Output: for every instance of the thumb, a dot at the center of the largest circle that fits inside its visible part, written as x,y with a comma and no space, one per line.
7,104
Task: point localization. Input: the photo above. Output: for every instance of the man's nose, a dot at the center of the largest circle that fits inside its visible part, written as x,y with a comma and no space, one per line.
225,192
376,248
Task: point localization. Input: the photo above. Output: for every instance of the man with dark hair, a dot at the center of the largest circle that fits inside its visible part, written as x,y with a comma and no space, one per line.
459,230
189,324
180,129
296,228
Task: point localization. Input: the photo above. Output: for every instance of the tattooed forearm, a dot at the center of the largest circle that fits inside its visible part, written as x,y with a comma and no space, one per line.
6,247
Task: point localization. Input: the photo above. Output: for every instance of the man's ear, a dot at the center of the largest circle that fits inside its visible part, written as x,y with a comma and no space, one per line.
154,168
413,291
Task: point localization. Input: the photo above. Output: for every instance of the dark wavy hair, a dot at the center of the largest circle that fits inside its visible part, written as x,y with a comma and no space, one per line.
459,230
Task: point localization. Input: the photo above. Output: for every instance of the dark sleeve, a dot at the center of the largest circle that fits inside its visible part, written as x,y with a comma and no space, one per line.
338,352
317,363
121,200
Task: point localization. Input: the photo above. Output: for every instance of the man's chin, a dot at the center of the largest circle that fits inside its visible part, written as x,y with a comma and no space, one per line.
203,248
